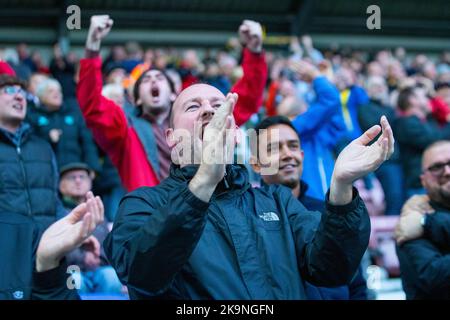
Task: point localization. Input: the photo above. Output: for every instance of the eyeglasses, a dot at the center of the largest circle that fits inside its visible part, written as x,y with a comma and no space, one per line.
11,90
73,177
438,169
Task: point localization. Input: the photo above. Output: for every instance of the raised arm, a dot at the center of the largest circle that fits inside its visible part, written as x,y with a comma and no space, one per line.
250,87
323,108
343,234
106,119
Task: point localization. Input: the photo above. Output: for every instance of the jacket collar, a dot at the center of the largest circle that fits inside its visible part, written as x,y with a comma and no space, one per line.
19,136
439,207
303,188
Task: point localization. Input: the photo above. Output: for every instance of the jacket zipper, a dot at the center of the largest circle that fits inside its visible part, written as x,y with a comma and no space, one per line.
19,152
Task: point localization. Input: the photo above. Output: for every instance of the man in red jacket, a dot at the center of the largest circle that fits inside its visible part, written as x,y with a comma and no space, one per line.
136,145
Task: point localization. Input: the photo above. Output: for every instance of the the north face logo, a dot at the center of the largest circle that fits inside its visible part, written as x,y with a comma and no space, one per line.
269,216
18,294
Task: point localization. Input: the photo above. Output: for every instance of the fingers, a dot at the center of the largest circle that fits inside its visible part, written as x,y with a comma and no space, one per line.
386,139
101,209
92,212
85,226
369,135
218,122
95,246
77,213
390,135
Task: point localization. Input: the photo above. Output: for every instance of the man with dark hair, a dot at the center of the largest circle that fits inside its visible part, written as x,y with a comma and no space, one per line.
205,233
423,231
29,204
289,156
137,145
415,130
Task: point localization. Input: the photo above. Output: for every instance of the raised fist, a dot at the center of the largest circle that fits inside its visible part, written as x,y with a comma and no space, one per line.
250,35
99,28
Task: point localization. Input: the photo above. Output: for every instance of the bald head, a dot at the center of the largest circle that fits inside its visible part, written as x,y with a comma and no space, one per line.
436,172
189,102
434,152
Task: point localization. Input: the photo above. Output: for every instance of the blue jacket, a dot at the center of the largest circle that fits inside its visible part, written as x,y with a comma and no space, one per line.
245,243
320,128
357,99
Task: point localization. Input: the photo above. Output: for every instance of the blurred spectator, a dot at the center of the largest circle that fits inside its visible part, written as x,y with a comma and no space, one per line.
115,73
443,94
135,55
62,125
97,275
214,77
353,98
35,80
39,64
423,232
290,105
390,173
62,67
25,57
415,130
319,129
189,68
21,69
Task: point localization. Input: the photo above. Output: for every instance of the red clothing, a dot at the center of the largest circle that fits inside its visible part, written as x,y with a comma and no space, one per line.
121,142
440,110
271,107
5,68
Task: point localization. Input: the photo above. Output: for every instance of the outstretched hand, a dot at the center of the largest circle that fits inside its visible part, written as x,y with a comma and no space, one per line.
69,233
359,158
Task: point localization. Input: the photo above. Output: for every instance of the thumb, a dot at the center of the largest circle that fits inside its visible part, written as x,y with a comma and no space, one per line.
77,213
369,135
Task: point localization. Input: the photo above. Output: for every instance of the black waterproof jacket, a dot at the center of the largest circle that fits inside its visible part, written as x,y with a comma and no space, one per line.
246,243
425,262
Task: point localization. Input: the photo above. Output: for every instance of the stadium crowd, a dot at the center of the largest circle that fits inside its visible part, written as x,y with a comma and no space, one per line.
104,124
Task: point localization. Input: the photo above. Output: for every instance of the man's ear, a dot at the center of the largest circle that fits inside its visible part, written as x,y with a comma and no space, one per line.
173,96
423,180
170,138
